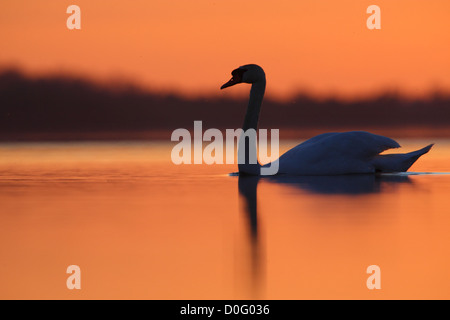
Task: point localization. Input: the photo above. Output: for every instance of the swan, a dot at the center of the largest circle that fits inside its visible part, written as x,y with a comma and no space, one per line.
334,153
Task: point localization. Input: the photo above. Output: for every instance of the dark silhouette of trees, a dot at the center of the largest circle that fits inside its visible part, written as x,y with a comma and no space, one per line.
61,107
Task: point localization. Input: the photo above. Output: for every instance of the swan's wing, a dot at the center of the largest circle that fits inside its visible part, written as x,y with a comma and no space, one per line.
353,143
336,153
359,144
317,138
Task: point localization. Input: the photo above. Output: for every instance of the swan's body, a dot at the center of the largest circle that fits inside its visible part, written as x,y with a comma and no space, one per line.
344,153
326,154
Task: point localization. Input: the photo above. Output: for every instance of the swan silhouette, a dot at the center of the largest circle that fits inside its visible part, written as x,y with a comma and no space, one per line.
326,154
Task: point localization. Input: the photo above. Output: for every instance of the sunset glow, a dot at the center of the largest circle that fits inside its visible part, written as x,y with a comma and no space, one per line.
321,47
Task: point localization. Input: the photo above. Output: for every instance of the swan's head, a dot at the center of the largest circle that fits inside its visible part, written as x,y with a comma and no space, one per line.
250,73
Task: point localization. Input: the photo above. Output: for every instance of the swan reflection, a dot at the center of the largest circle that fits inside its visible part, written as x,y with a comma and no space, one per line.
351,185
340,184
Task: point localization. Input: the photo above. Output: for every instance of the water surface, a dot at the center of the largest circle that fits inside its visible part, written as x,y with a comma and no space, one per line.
141,227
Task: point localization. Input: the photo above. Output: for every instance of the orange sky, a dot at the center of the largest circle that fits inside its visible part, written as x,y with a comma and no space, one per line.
322,46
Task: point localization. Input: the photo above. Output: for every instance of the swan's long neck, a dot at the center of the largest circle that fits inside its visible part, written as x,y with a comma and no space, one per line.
251,122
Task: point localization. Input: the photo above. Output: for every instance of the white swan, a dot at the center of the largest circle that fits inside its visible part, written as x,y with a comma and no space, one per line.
326,154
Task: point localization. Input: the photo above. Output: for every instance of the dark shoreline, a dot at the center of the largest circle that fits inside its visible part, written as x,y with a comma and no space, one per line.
62,108
284,134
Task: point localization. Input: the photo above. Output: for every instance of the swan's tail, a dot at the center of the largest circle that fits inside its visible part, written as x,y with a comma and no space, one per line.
398,162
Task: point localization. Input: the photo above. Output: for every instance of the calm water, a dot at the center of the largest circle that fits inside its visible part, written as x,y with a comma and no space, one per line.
141,227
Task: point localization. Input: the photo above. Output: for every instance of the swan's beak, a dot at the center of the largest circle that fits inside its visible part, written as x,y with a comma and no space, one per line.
230,83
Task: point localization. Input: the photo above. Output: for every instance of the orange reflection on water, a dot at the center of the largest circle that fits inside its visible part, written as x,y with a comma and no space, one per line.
140,227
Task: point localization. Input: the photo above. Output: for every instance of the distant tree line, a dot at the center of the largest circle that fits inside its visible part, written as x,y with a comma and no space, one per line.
62,107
